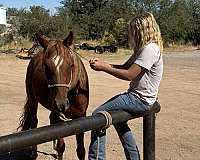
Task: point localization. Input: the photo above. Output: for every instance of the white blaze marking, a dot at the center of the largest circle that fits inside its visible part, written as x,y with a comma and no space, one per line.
56,62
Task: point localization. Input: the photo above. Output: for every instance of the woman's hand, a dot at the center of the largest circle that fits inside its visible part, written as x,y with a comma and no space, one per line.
98,65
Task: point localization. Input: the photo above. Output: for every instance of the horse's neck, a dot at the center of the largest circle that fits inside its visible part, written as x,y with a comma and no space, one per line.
76,71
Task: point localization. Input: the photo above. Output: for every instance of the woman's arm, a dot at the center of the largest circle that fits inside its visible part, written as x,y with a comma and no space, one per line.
126,65
125,74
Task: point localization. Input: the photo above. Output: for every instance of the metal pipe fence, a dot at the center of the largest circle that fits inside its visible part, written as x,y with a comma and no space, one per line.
33,137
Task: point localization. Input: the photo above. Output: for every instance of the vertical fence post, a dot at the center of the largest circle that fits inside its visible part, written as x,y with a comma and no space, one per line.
149,136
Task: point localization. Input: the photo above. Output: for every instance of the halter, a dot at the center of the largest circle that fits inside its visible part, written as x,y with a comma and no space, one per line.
58,85
61,84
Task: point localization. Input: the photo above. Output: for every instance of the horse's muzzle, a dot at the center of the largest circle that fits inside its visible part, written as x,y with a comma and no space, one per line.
62,106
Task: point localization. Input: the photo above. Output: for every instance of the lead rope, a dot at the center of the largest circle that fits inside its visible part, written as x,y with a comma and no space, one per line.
79,54
108,119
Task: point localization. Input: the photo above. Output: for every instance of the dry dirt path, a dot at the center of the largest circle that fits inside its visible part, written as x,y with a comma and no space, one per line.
177,125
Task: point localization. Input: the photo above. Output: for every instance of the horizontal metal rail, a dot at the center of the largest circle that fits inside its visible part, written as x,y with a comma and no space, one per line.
16,141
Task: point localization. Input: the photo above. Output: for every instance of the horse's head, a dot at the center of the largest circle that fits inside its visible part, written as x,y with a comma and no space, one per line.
59,67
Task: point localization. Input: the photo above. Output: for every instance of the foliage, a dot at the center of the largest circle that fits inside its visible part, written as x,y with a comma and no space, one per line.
120,32
108,38
194,35
107,20
35,20
175,22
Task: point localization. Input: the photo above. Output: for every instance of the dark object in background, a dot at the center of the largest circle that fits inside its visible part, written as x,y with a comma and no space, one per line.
107,48
99,49
86,46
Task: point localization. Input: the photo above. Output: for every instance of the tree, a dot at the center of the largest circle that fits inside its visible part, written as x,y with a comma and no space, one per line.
194,35
60,23
179,20
144,5
120,32
175,21
86,17
35,20
93,18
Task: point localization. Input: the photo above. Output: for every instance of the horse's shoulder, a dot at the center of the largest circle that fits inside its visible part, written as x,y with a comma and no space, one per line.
83,77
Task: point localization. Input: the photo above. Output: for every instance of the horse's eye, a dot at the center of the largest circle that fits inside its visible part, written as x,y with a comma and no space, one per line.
48,72
49,69
72,66
49,66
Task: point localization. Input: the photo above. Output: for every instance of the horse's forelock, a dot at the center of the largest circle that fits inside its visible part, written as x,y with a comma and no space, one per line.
58,54
51,51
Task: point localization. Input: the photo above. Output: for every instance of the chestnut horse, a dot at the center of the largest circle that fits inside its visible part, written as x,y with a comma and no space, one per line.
56,78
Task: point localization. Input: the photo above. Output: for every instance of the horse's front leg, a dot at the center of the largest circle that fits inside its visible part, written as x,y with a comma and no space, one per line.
60,145
78,106
60,148
80,146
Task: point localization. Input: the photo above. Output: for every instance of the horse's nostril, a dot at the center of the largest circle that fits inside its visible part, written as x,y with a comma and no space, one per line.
67,105
62,107
67,102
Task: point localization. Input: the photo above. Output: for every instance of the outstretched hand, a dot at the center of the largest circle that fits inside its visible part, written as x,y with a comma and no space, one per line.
98,65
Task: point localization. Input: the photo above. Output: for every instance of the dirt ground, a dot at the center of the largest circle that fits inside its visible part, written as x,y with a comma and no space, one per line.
177,125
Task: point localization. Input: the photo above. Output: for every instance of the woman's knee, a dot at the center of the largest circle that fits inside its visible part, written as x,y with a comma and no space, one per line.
96,111
101,108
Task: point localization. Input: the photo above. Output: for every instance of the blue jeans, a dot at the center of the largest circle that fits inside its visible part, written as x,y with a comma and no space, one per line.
129,103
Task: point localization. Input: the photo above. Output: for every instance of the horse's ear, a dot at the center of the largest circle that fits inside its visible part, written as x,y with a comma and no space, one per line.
68,41
42,40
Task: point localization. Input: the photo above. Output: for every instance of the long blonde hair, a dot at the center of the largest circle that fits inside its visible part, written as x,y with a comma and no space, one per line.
146,30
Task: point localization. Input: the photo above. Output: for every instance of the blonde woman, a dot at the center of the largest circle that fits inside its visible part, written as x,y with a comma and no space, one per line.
144,70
